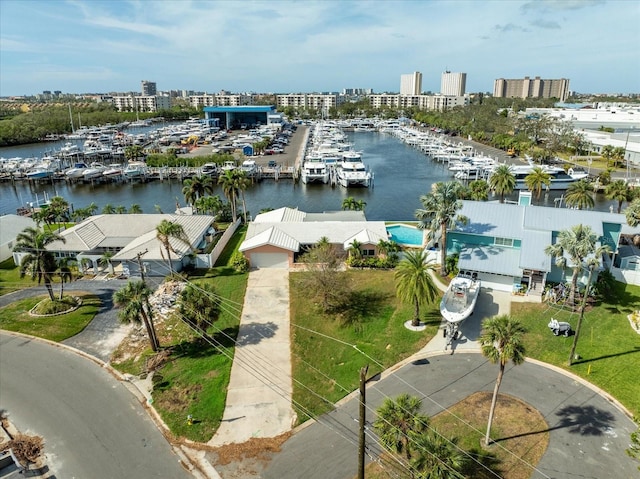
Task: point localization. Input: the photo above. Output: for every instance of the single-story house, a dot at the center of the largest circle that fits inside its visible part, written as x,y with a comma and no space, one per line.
276,238
10,227
505,243
130,237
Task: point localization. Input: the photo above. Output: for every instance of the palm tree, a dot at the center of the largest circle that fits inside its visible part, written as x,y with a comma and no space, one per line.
502,181
349,203
108,209
437,457
479,190
64,273
209,205
133,152
619,191
537,179
199,306
120,209
230,190
592,264
397,419
105,260
501,341
92,208
354,249
580,195
632,213
414,283
607,153
196,187
440,208
58,209
134,300
135,209
38,262
576,244
242,183
165,232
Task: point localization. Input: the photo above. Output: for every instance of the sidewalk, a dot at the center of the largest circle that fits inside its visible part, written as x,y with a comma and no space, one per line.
260,389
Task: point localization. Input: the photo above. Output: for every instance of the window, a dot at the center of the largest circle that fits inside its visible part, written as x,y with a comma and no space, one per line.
503,241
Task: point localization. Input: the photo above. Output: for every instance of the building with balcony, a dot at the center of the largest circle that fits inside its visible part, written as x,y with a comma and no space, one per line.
411,83
531,88
453,84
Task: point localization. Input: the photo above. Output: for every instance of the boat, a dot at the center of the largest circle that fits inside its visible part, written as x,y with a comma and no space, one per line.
210,169
249,167
76,171
228,165
135,169
314,170
460,298
38,173
113,170
351,171
95,170
560,179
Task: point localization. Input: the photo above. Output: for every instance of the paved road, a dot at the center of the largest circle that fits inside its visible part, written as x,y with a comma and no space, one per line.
588,435
93,426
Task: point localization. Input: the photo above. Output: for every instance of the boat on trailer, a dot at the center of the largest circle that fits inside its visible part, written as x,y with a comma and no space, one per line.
459,301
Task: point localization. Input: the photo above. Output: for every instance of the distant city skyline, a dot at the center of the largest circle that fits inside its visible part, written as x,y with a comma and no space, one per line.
281,46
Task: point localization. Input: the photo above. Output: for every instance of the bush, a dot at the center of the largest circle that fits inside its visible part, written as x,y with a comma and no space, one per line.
54,307
371,262
239,262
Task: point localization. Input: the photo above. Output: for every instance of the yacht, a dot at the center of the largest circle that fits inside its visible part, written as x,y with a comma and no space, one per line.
113,170
210,169
351,171
460,298
560,179
95,170
76,171
314,170
135,169
249,167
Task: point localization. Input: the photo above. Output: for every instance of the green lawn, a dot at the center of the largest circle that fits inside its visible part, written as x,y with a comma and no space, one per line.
608,347
326,364
15,317
10,279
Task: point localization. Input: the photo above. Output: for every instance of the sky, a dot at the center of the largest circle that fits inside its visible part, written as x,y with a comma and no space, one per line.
278,46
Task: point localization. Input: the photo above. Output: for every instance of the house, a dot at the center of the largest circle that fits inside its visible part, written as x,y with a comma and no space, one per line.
130,237
10,227
505,243
276,239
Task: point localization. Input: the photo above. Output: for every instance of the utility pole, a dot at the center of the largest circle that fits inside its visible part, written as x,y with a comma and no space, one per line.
363,410
138,257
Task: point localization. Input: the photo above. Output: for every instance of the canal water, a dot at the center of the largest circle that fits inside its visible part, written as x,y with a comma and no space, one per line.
401,175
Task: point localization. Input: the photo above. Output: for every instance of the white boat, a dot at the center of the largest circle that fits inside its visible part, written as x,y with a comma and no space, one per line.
135,169
249,167
560,179
228,166
95,170
112,170
39,173
460,298
210,169
351,171
314,170
76,170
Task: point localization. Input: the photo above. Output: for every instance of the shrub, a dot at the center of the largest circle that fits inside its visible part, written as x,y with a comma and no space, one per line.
239,262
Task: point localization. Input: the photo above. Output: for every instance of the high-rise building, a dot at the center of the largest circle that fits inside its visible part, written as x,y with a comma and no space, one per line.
453,84
148,88
411,83
532,88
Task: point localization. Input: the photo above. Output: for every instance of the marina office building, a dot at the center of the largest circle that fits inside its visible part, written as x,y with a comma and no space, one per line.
531,88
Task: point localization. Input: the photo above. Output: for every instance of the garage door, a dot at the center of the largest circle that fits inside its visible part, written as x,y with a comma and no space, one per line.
269,260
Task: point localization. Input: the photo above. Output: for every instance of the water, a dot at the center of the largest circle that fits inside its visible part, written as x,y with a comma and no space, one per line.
401,175
407,235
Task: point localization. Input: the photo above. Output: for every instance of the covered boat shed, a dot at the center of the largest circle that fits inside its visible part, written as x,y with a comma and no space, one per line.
235,117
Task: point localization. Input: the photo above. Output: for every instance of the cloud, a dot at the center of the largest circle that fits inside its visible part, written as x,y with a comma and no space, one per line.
510,27
548,5
547,24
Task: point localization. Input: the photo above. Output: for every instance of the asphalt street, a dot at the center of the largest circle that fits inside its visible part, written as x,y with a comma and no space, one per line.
93,426
588,434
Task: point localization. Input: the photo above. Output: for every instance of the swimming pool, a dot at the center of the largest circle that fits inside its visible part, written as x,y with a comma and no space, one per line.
406,235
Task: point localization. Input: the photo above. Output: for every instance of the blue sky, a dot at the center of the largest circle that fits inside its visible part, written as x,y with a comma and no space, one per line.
304,46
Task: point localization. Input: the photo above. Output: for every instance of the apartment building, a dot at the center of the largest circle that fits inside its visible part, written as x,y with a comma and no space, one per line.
149,103
314,101
411,83
453,84
149,88
531,88
422,102
220,99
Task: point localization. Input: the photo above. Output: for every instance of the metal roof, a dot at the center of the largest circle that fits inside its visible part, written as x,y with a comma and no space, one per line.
272,236
239,109
532,255
12,225
365,236
491,259
281,215
492,219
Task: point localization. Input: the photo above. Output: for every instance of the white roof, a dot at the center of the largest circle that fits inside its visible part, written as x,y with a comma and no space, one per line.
12,225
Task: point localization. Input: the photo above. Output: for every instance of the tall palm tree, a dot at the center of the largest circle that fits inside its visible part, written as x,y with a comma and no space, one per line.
165,232
502,181
440,211
619,191
571,248
537,179
436,457
39,263
230,190
134,300
414,283
501,341
242,183
580,195
397,419
209,205
196,187
632,213
592,264
59,209
64,273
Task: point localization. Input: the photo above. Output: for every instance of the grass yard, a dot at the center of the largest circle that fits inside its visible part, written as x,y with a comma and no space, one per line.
329,368
10,279
15,317
609,349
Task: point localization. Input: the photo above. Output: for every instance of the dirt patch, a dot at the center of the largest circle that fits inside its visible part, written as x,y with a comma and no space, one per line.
177,399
